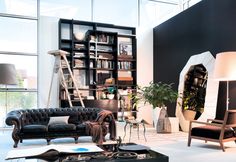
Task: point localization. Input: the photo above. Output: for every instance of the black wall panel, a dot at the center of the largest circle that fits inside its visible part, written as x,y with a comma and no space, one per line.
210,25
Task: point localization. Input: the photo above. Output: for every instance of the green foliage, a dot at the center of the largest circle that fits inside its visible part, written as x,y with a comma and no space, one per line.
193,101
136,97
159,94
17,100
111,90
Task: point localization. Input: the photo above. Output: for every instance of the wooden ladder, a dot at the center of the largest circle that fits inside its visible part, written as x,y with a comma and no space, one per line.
60,54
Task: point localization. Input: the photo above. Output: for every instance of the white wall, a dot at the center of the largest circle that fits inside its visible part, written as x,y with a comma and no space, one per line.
48,40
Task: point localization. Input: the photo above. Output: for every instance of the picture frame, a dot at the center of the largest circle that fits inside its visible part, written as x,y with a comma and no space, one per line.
125,49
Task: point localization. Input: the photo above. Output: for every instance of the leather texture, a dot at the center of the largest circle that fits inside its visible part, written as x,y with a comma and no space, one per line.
33,123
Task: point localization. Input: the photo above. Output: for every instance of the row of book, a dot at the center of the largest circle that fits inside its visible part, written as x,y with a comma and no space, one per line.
80,46
102,38
125,65
105,64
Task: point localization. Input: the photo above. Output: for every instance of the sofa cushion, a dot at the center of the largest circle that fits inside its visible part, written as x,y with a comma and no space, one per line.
61,127
58,120
34,128
81,127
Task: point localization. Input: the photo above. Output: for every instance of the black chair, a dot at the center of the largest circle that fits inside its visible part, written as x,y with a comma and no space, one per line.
217,131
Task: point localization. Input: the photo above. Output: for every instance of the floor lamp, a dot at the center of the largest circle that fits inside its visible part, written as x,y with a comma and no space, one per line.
225,69
7,77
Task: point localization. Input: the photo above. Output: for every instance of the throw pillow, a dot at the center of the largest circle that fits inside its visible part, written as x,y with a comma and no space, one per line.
58,120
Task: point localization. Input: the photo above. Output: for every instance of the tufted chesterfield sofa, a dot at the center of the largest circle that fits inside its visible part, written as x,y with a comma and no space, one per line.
33,123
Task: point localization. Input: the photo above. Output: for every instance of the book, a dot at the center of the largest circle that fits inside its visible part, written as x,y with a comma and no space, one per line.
37,151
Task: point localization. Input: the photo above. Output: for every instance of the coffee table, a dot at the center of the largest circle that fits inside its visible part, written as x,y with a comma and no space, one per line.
111,154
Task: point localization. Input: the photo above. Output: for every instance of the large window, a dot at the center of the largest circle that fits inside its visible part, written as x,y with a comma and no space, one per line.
68,9
19,7
155,12
19,35
120,12
188,3
18,39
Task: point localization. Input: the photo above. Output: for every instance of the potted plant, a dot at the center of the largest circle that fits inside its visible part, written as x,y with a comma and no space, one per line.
192,103
111,92
158,95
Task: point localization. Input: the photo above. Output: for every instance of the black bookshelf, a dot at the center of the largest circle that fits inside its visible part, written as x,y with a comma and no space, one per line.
102,57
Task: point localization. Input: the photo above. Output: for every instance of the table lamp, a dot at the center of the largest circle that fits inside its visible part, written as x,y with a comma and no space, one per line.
7,77
225,69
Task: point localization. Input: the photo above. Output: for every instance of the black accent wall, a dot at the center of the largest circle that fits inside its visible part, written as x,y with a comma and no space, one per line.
210,25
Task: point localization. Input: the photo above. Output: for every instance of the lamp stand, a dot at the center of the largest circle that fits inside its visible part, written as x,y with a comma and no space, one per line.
227,95
6,97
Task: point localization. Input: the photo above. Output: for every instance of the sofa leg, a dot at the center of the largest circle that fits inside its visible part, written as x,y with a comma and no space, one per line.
48,141
21,140
76,139
15,143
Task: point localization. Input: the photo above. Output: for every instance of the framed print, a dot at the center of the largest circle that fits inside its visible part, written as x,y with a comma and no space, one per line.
125,48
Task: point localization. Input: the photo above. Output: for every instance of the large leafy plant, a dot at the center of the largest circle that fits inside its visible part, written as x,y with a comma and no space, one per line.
159,94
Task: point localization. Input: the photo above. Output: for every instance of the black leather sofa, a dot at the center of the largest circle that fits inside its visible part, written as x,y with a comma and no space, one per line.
33,123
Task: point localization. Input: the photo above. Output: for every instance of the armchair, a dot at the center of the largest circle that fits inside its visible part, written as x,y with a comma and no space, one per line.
217,131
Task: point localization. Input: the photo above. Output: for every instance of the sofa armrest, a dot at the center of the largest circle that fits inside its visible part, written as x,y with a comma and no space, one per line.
14,118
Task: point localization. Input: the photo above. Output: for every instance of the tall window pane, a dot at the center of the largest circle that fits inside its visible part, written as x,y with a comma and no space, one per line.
76,9
19,35
120,12
15,100
26,67
154,13
19,7
18,46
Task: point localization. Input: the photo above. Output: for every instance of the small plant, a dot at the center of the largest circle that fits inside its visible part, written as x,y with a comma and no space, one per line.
159,94
136,97
111,90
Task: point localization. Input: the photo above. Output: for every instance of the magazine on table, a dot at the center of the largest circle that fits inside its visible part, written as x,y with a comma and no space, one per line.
37,151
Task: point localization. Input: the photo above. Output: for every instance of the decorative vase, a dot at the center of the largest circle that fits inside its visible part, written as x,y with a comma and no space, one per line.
163,123
110,96
79,36
155,116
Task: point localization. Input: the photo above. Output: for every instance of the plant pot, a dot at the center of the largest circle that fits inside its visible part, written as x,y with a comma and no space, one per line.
189,114
155,115
110,96
163,123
